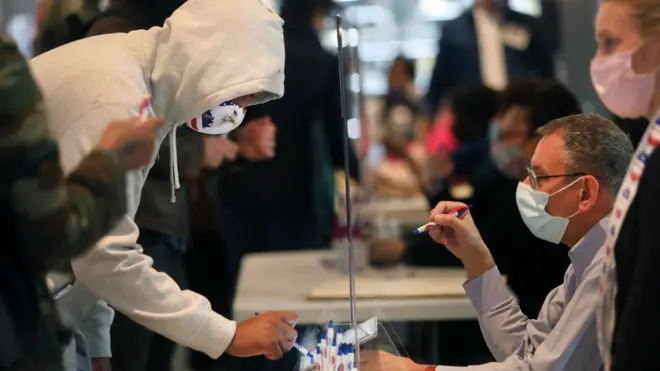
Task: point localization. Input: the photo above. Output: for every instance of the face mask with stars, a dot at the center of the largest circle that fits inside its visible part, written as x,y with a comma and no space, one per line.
222,119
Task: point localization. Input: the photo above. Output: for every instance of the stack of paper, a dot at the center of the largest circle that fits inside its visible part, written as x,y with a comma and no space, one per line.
372,287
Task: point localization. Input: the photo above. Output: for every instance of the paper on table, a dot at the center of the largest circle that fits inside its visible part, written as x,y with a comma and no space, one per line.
370,287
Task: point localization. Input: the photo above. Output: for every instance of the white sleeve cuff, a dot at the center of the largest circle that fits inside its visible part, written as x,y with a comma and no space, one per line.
214,336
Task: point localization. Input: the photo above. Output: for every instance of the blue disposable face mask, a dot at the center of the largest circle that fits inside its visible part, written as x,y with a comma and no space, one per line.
493,131
532,204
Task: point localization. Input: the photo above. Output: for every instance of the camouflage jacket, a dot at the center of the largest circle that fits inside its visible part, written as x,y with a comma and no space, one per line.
47,219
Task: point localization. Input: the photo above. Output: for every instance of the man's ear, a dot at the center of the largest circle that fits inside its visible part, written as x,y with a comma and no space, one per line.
589,193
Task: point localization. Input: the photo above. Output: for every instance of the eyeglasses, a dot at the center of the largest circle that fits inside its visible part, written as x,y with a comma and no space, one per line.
534,179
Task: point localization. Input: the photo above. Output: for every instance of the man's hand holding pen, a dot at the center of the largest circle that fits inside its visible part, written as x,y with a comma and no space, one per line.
270,334
461,237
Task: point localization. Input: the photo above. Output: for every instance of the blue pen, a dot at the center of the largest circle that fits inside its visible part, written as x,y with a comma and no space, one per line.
299,347
457,212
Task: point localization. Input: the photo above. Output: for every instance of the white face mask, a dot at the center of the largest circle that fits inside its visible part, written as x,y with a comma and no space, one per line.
219,120
532,203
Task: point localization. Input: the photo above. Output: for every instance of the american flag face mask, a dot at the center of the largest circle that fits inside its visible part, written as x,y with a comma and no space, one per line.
219,120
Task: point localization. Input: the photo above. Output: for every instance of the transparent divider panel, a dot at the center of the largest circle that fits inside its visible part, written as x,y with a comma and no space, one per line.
374,334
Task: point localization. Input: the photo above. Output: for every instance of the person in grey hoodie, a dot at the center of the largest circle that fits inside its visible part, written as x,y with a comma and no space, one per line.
208,54
164,225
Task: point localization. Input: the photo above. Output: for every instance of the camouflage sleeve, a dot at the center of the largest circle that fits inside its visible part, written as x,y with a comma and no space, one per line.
55,218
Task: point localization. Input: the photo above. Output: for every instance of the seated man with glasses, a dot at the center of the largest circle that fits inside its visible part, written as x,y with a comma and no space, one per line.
524,106
575,174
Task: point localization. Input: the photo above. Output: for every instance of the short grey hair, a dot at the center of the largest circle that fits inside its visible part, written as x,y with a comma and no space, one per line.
593,145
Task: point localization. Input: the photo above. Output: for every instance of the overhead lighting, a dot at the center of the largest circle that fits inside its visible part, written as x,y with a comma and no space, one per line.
353,37
529,7
354,82
354,129
442,10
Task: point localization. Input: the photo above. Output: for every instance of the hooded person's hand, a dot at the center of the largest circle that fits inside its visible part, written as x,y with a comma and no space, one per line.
461,237
218,149
133,140
270,334
257,139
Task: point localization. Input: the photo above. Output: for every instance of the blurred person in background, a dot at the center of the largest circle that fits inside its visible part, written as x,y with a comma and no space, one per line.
398,174
489,44
396,163
50,219
472,110
296,208
165,225
60,22
402,92
401,78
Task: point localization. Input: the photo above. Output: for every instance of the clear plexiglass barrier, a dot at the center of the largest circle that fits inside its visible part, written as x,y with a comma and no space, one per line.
335,345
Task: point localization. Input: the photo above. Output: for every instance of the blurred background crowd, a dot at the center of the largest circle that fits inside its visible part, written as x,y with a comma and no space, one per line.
429,119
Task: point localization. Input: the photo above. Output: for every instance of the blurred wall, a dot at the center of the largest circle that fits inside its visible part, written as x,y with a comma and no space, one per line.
2,14
576,23
17,18
9,8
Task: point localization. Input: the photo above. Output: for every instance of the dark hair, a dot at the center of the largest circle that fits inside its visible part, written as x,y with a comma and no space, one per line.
408,65
155,12
594,145
634,128
473,108
520,92
302,11
551,102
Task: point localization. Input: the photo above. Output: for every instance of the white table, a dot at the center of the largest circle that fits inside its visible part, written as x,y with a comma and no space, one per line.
282,281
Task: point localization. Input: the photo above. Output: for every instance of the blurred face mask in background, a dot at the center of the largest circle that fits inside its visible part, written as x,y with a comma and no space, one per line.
220,120
622,91
508,158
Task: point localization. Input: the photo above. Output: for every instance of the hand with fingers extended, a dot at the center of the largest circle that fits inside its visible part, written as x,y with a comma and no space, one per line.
461,237
218,150
134,141
270,334
257,139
